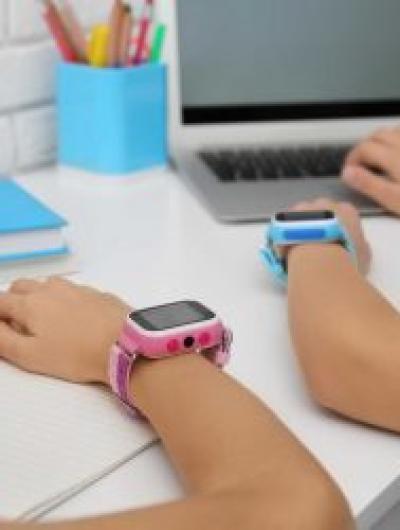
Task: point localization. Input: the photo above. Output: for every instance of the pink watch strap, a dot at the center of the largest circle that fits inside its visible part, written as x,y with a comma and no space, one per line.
223,354
119,370
122,362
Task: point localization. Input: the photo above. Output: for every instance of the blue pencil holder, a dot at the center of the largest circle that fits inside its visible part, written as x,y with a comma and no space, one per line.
112,120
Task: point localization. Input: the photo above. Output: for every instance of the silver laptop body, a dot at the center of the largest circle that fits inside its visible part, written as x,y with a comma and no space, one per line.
263,75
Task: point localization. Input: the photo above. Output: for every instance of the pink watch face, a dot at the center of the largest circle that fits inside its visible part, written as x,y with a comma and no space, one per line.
172,329
172,316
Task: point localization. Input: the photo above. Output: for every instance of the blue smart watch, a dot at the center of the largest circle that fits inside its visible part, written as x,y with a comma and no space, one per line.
288,229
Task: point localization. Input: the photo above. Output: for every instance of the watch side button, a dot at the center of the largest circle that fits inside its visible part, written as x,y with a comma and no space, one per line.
173,346
204,339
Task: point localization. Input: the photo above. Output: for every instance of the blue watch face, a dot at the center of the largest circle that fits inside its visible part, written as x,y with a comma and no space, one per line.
293,217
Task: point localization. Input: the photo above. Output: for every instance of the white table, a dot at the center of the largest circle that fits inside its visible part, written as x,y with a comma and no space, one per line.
147,239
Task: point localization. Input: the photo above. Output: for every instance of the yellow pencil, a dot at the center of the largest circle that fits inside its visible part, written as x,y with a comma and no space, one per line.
98,46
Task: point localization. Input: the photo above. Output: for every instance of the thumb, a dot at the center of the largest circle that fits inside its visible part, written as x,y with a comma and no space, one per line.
374,186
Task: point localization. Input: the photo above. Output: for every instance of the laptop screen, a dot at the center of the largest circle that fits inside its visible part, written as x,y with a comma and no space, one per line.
267,60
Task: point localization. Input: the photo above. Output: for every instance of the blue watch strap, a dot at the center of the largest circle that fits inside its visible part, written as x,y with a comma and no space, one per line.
291,235
274,265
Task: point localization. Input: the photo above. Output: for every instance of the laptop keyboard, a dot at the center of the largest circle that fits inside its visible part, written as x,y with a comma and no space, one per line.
273,164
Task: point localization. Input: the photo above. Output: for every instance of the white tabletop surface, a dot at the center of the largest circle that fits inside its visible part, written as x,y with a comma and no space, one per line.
147,239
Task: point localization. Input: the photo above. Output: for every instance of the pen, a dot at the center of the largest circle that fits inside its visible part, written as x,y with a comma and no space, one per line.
56,28
98,45
74,29
143,31
158,43
115,23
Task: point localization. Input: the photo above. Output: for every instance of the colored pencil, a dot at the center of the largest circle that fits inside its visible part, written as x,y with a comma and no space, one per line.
126,37
110,44
98,45
56,28
74,29
115,23
158,43
143,32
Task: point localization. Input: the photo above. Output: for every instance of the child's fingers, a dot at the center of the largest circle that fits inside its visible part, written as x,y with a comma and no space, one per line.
301,206
374,186
12,307
25,286
14,347
389,137
374,155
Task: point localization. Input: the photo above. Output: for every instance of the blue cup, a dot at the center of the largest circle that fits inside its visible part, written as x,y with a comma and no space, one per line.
112,120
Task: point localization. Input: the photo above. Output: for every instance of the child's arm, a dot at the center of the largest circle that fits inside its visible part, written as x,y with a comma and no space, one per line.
346,335
241,466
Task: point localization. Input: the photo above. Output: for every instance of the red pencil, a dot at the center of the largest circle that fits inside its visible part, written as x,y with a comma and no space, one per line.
143,31
73,29
56,28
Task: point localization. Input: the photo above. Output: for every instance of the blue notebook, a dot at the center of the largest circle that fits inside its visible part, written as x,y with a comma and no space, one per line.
28,228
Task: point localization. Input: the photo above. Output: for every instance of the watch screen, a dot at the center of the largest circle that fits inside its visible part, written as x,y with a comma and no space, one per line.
171,316
288,217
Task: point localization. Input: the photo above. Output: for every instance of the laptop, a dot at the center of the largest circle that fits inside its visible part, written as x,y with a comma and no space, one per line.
268,96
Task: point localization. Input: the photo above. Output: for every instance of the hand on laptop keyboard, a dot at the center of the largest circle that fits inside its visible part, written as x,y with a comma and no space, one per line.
373,168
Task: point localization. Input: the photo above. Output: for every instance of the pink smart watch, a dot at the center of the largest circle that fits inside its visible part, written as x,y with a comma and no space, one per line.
166,331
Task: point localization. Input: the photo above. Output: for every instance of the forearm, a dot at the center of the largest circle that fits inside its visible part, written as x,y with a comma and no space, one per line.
197,513
236,510
346,335
216,432
240,464
223,440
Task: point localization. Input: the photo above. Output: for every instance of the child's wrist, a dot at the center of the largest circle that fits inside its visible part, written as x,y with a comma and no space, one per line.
312,251
153,378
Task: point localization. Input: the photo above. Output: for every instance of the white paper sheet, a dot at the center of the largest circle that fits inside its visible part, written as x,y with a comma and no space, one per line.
55,437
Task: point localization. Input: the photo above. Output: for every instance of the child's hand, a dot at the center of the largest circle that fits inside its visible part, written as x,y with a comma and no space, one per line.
350,218
378,155
59,329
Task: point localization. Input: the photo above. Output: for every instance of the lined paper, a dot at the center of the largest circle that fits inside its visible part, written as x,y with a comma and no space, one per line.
57,436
